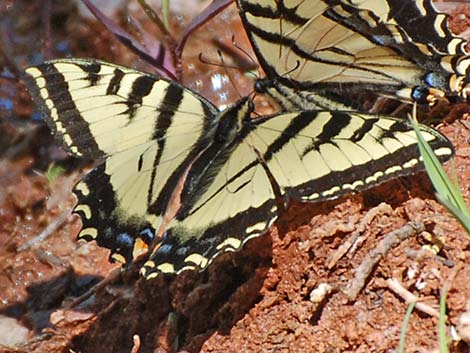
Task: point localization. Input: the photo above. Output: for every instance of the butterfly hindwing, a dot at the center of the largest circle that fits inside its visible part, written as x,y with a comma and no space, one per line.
146,131
226,200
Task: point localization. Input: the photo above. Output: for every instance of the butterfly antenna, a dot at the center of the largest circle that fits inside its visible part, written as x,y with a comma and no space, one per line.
230,77
203,60
253,62
254,66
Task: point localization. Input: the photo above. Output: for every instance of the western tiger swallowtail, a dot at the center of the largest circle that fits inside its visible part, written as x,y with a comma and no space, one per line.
316,53
151,133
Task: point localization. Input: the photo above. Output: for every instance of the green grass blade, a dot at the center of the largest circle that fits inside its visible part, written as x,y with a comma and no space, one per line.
463,218
447,192
153,16
166,13
404,327
53,172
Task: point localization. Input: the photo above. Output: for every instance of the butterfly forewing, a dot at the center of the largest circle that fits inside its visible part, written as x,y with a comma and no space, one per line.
318,155
147,130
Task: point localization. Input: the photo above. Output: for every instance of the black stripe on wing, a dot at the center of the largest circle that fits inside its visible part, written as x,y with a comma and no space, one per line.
171,101
172,98
61,115
141,87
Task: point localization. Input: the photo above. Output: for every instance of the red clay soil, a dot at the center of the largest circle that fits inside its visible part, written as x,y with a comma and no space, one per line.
302,287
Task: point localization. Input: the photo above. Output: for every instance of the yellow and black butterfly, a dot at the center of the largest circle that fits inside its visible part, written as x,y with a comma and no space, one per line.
160,142
317,53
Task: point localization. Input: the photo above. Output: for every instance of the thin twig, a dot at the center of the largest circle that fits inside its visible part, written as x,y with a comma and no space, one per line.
103,283
50,229
129,41
396,287
390,241
351,242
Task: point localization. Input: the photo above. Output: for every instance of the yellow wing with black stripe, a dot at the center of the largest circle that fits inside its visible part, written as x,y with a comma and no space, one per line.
145,130
316,53
228,198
